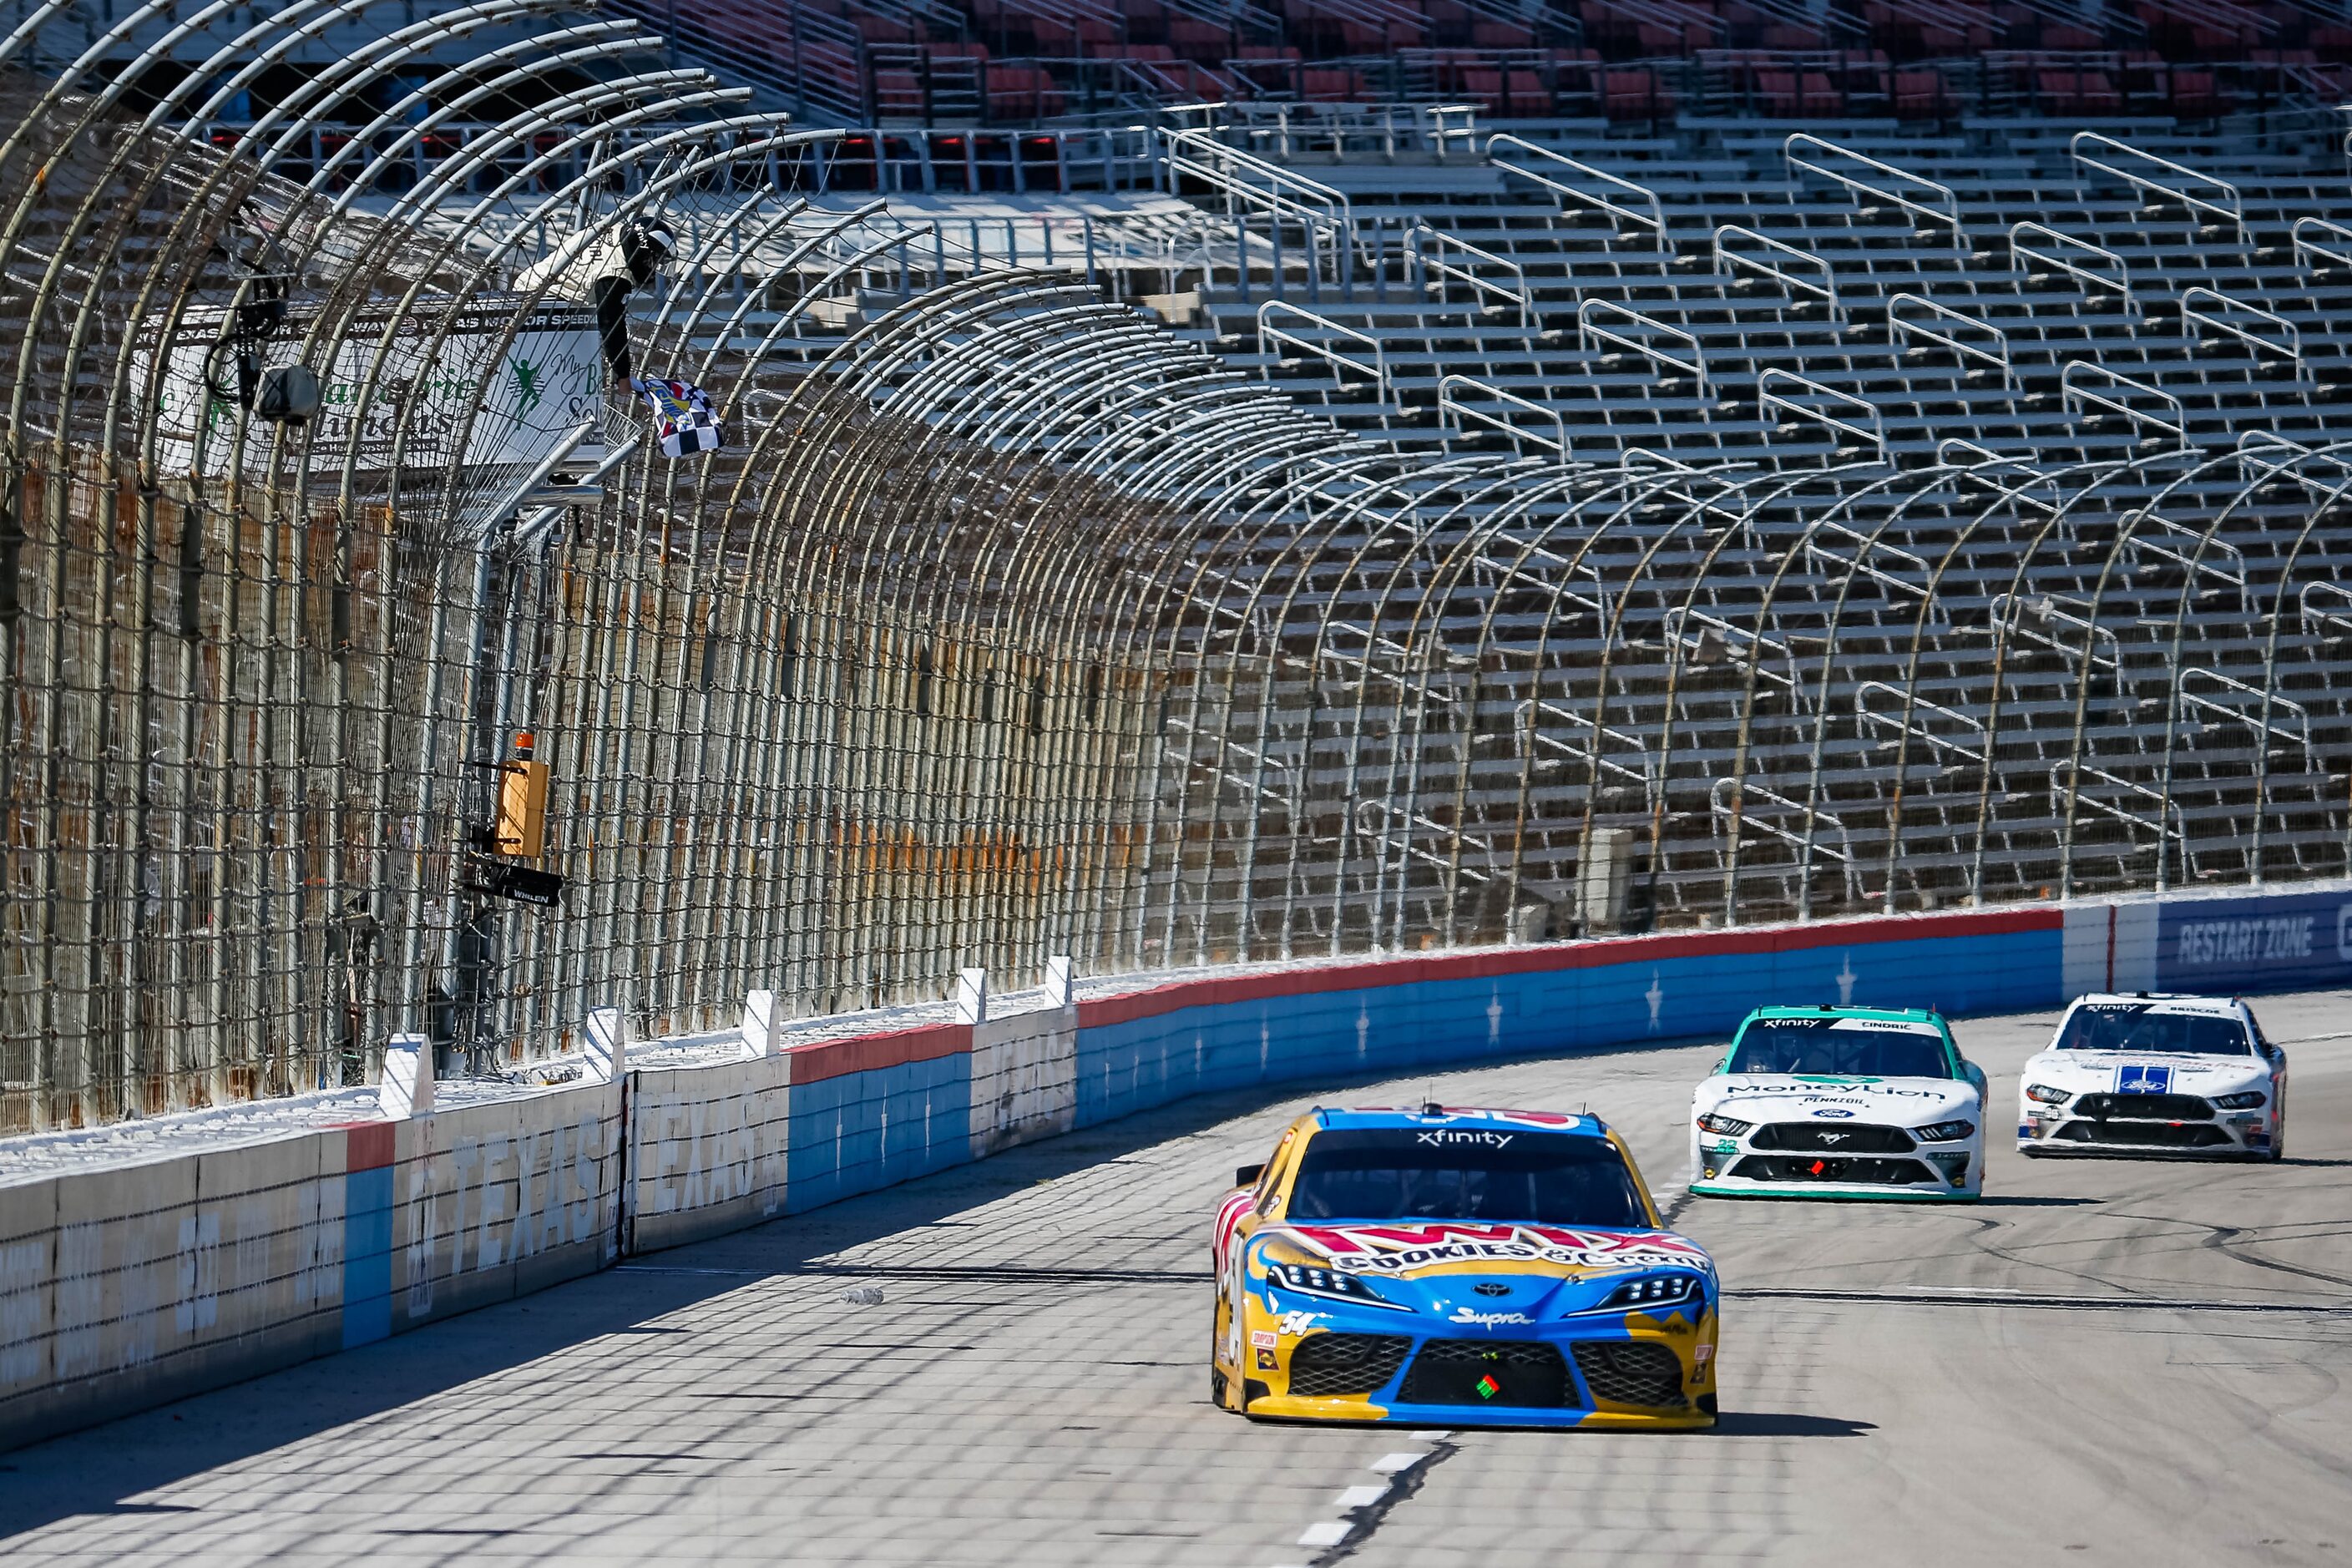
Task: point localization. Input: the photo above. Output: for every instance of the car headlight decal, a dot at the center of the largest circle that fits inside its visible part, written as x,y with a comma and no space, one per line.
2046,1094
1724,1126
1651,1292
1943,1132
1310,1280
2245,1100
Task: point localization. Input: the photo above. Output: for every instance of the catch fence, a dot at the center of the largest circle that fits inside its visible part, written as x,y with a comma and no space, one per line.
1007,625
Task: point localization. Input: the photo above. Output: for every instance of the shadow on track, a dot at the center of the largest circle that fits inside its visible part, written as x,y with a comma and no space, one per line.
1769,1424
102,1469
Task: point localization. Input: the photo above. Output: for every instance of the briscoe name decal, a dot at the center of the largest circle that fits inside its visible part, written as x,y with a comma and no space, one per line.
1396,1249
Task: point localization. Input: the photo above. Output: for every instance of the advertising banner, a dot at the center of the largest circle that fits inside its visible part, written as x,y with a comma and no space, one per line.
2279,943
522,395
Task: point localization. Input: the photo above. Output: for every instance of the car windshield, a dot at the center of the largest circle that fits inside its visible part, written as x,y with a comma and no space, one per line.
1410,1173
1841,1048
2140,1027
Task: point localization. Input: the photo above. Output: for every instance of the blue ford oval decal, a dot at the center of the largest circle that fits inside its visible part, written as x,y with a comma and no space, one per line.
1837,1113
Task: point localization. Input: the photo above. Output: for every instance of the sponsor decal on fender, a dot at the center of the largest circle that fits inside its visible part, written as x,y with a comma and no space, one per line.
1263,1339
1265,1362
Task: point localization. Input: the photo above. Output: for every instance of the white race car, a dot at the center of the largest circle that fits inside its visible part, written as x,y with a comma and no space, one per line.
2156,1075
1840,1102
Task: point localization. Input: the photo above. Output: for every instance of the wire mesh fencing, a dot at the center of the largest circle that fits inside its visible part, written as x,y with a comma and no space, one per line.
1005,625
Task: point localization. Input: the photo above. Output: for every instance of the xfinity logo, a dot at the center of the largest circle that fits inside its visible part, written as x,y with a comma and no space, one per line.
1486,1320
1484,1140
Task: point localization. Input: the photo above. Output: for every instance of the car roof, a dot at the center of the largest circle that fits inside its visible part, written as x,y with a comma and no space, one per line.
2168,1002
1371,1116
1887,1015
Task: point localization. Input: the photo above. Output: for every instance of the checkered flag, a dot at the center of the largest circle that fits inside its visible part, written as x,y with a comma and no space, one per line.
683,415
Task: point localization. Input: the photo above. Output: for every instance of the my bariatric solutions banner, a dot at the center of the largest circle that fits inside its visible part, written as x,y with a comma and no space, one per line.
2270,944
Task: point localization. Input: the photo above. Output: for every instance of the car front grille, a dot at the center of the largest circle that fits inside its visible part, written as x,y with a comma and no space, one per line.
1632,1372
1525,1374
1867,1173
2145,1134
1843,1137
1324,1365
2142,1107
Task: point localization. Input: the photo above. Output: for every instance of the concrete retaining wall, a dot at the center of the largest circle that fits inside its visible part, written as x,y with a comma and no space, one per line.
126,1286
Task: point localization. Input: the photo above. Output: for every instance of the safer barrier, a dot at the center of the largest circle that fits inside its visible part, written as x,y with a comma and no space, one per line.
128,1283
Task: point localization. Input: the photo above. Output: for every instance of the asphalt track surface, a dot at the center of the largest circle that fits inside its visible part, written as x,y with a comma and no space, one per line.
2103,1362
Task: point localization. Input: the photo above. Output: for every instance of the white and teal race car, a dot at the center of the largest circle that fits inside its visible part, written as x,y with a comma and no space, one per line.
2156,1075
1840,1102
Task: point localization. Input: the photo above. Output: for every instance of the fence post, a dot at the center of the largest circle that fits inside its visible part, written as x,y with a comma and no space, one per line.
759,1024
1061,978
971,997
405,1088
608,1043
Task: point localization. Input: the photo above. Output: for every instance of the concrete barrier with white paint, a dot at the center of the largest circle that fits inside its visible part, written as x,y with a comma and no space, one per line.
144,1263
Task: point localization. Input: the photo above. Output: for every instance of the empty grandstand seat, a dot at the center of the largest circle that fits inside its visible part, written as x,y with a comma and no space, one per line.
1943,41
2195,96
2057,35
1328,85
1501,35
1920,95
1022,92
1635,95
1524,95
1197,40
897,94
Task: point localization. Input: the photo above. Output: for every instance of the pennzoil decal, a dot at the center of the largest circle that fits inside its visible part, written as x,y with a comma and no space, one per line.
1360,1248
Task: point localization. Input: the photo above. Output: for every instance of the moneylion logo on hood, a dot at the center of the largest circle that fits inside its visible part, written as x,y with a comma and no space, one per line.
1483,1140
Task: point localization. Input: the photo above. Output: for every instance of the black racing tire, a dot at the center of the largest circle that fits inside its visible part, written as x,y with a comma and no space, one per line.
1217,1388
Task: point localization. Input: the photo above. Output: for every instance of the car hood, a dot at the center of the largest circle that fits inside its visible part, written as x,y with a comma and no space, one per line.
1408,1251
1883,1101
2150,1072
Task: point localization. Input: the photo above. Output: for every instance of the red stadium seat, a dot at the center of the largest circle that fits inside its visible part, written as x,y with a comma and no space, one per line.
1920,95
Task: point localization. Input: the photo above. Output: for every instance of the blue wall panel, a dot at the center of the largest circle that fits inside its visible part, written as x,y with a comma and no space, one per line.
2281,943
1139,1063
866,1129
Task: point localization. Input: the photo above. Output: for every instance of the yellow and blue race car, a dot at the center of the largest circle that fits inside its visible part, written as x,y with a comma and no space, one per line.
1451,1267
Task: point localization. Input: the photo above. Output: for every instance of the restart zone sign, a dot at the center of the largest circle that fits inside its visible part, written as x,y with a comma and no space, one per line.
2218,945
